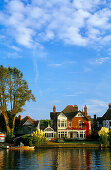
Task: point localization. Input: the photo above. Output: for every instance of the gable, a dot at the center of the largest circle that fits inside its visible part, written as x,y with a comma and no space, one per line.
79,114
27,123
62,116
48,129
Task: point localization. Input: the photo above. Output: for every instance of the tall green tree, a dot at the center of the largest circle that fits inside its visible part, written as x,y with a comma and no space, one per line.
14,92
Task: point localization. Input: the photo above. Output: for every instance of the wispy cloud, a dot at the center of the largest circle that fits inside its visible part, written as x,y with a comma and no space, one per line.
54,101
13,55
99,60
96,106
75,22
62,64
55,65
71,95
74,94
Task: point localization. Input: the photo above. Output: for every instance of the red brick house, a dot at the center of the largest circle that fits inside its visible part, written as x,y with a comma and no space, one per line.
70,122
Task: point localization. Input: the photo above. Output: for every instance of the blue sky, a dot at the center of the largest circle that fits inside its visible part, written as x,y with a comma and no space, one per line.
62,48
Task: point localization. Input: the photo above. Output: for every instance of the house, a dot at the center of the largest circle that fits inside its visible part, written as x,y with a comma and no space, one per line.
105,120
71,122
26,126
49,132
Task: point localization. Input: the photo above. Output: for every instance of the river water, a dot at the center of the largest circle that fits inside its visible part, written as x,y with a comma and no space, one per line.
56,159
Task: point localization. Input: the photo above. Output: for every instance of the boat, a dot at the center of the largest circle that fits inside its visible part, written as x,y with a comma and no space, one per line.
21,148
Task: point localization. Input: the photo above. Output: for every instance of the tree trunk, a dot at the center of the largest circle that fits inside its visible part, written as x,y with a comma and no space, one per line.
10,131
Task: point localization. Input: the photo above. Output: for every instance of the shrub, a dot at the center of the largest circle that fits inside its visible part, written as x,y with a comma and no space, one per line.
104,136
38,138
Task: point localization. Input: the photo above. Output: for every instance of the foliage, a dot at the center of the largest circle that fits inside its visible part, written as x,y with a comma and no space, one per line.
104,136
14,92
38,138
110,137
103,131
44,123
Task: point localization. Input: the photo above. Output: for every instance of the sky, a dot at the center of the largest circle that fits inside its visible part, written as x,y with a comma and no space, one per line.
63,49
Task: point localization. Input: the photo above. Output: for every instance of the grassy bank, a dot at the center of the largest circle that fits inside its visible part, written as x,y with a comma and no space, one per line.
75,144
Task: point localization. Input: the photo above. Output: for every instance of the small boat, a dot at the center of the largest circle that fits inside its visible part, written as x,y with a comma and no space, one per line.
21,147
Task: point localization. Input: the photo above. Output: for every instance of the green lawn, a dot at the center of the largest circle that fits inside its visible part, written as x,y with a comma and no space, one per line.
82,142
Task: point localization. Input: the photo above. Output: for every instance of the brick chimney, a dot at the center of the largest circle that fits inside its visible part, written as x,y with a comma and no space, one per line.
94,117
75,108
109,105
54,109
85,110
20,117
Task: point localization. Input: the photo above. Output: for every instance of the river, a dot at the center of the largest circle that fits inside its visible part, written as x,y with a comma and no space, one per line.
56,159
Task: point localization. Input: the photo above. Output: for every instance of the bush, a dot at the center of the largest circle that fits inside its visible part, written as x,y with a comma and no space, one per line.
38,138
104,136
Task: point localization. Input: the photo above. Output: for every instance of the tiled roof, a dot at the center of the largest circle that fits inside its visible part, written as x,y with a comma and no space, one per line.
107,115
69,112
32,121
68,109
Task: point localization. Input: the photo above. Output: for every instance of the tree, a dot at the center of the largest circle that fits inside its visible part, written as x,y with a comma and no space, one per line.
44,123
14,92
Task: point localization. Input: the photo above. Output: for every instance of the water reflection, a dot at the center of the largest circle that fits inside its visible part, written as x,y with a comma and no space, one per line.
56,159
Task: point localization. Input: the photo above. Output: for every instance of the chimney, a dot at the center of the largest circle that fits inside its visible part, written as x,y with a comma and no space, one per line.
85,110
109,105
75,108
54,109
20,117
94,117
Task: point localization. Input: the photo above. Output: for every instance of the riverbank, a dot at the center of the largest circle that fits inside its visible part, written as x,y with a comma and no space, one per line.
68,145
54,145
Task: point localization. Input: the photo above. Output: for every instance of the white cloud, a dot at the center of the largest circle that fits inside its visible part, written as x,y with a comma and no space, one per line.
75,22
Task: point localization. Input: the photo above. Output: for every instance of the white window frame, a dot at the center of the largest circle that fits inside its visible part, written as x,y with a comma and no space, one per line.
70,123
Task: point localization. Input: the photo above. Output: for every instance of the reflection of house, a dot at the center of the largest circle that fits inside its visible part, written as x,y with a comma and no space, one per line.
105,120
70,122
49,132
27,126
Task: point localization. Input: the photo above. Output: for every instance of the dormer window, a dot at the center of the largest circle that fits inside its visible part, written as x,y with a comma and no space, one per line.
70,124
79,115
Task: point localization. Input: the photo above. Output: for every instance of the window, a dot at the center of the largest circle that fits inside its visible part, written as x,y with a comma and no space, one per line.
71,135
62,123
48,134
80,123
62,134
70,124
81,134
79,115
77,135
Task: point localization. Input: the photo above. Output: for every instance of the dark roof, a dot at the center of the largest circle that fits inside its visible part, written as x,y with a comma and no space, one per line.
52,114
68,109
32,121
69,112
70,115
107,115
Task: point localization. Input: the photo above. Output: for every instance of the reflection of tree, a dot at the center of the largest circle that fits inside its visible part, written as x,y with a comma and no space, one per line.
104,158
1,159
55,159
